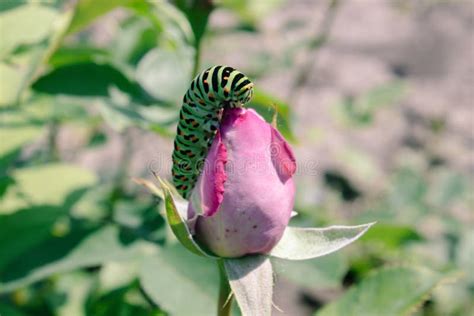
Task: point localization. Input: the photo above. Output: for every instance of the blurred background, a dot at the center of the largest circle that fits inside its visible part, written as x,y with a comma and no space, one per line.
375,96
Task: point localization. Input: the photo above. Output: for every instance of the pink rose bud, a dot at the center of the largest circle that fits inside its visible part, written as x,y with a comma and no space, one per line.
243,199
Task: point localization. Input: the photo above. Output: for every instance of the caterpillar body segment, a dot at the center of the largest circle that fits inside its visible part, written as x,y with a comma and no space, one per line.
210,92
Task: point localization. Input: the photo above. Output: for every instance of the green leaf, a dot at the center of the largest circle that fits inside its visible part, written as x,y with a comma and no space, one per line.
77,55
465,254
116,275
27,24
409,190
165,74
121,116
360,165
249,11
87,11
39,111
48,184
22,124
74,288
126,301
175,27
362,109
10,310
24,65
10,83
266,105
181,283
150,186
178,225
5,181
27,228
81,248
86,79
391,236
447,187
197,13
8,5
390,291
323,273
13,138
306,243
251,281
134,39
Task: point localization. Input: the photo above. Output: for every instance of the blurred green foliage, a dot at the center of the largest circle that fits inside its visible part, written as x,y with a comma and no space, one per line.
74,241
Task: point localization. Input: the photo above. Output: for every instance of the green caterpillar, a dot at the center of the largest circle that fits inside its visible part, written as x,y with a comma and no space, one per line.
210,92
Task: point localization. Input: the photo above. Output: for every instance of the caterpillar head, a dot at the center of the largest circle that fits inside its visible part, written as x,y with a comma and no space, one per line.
242,96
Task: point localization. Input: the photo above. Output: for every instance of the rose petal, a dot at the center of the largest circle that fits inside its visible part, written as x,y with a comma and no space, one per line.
282,156
258,199
209,190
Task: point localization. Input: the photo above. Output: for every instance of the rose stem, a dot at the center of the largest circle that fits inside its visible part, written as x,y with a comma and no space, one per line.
224,306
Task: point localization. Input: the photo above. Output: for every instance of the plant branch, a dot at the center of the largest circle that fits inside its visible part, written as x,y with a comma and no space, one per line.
197,59
121,177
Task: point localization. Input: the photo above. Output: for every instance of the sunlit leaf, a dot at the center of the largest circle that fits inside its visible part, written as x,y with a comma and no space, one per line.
115,275
135,38
21,125
178,224
27,24
25,64
391,291
74,288
166,74
10,83
251,11
81,248
48,184
181,283
38,111
251,281
13,138
87,11
306,243
177,31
